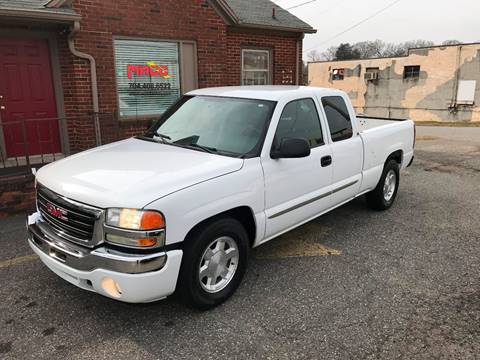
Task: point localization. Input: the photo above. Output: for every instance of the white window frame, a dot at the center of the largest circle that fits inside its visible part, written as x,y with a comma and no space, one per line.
268,70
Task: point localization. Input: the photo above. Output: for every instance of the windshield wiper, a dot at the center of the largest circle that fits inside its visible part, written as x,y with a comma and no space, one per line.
162,137
192,143
203,148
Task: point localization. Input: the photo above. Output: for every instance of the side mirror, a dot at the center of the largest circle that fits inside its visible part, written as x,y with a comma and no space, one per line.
291,148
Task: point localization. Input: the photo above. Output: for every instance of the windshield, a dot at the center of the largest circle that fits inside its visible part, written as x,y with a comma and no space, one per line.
223,125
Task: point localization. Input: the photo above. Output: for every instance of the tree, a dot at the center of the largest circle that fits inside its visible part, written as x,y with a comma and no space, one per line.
370,49
314,55
376,48
329,54
401,49
451,42
346,52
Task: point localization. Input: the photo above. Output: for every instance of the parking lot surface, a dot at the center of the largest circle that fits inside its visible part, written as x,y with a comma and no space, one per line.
353,284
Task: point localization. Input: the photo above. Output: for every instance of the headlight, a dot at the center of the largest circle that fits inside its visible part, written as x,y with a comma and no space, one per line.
135,219
135,228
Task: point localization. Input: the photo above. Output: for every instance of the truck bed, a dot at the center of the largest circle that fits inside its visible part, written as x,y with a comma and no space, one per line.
368,122
381,137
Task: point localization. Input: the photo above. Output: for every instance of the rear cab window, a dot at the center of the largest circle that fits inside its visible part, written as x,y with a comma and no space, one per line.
338,118
299,119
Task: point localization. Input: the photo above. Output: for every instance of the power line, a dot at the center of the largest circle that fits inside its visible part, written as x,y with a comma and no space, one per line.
339,3
355,25
304,3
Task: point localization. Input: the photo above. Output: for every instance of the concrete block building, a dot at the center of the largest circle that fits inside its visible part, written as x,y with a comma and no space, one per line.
438,83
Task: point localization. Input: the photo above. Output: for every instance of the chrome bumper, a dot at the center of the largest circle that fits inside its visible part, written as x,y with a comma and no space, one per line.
85,259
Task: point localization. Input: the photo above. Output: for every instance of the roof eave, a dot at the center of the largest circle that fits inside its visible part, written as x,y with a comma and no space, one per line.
57,3
41,15
279,28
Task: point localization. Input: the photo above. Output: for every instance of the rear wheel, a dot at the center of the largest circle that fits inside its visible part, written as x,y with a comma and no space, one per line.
383,196
214,262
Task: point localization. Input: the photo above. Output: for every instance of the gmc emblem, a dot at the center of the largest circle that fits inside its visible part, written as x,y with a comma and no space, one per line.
57,212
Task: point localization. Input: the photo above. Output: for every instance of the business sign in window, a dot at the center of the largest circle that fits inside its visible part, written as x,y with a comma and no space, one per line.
148,80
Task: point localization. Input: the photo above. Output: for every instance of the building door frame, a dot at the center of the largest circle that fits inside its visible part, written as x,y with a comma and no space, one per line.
52,39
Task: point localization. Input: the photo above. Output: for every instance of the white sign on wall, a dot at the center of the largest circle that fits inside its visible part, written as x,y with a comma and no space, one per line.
466,92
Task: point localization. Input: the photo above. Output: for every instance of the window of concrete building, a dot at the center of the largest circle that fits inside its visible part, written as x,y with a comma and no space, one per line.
411,72
338,118
338,74
371,74
151,75
256,68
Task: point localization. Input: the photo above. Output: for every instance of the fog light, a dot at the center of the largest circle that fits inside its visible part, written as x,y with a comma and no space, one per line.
111,287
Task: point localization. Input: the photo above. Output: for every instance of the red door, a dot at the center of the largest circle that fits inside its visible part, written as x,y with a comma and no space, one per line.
27,95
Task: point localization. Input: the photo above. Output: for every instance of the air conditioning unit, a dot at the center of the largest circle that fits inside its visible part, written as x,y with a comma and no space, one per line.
370,76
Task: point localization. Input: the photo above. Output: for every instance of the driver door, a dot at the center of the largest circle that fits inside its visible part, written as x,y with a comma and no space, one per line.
294,188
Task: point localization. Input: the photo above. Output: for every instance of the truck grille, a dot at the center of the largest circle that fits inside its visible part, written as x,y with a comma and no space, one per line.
69,219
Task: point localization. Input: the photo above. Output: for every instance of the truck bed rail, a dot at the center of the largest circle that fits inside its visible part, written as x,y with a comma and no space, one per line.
380,118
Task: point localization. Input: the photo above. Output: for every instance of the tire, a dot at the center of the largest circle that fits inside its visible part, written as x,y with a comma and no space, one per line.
383,196
222,271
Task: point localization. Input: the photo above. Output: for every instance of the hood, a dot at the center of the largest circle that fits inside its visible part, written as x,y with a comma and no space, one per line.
132,173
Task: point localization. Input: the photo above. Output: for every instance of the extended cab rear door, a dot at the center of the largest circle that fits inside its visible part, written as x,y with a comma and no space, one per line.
295,188
346,146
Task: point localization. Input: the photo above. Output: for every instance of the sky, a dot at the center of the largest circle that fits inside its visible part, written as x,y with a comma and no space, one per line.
435,20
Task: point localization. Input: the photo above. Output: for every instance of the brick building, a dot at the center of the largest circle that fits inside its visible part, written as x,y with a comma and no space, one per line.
76,73
438,83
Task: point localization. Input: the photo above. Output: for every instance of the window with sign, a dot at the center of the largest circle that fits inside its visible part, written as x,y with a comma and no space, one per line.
256,67
148,79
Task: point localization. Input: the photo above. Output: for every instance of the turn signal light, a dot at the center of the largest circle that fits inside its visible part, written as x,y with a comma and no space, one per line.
151,220
141,242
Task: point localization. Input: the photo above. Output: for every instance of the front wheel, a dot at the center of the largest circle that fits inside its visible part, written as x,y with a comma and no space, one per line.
214,262
383,196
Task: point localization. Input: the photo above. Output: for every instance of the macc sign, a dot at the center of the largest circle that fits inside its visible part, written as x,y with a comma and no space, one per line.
150,69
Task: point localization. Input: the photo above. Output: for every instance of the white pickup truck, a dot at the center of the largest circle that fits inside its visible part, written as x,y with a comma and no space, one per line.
223,170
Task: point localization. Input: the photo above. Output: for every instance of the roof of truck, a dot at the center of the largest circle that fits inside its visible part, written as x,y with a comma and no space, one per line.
273,93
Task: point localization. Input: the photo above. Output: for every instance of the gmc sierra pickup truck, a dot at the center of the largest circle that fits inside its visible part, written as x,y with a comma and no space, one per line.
224,170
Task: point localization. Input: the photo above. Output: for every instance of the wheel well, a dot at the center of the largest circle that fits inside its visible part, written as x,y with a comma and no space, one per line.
397,156
243,214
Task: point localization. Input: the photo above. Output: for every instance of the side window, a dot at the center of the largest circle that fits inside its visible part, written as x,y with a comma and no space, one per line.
299,119
338,118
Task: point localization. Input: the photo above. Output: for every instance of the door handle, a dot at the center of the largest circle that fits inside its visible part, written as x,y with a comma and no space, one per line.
326,161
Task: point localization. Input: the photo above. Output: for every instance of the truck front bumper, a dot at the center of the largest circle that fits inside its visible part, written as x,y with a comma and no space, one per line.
126,277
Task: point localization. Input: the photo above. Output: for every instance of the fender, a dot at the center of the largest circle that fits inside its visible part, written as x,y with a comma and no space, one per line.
185,209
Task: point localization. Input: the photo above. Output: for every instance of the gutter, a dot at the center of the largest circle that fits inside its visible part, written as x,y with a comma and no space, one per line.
278,28
39,15
93,77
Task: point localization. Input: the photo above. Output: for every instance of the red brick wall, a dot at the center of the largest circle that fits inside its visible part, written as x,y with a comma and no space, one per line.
283,47
17,194
218,52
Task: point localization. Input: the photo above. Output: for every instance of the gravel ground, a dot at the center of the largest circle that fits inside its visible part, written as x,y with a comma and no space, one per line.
359,285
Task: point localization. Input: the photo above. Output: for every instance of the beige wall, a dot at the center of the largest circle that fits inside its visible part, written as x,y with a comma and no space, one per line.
431,97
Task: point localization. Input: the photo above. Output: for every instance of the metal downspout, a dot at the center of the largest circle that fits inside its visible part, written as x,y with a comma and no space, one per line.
93,77
299,68
453,104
